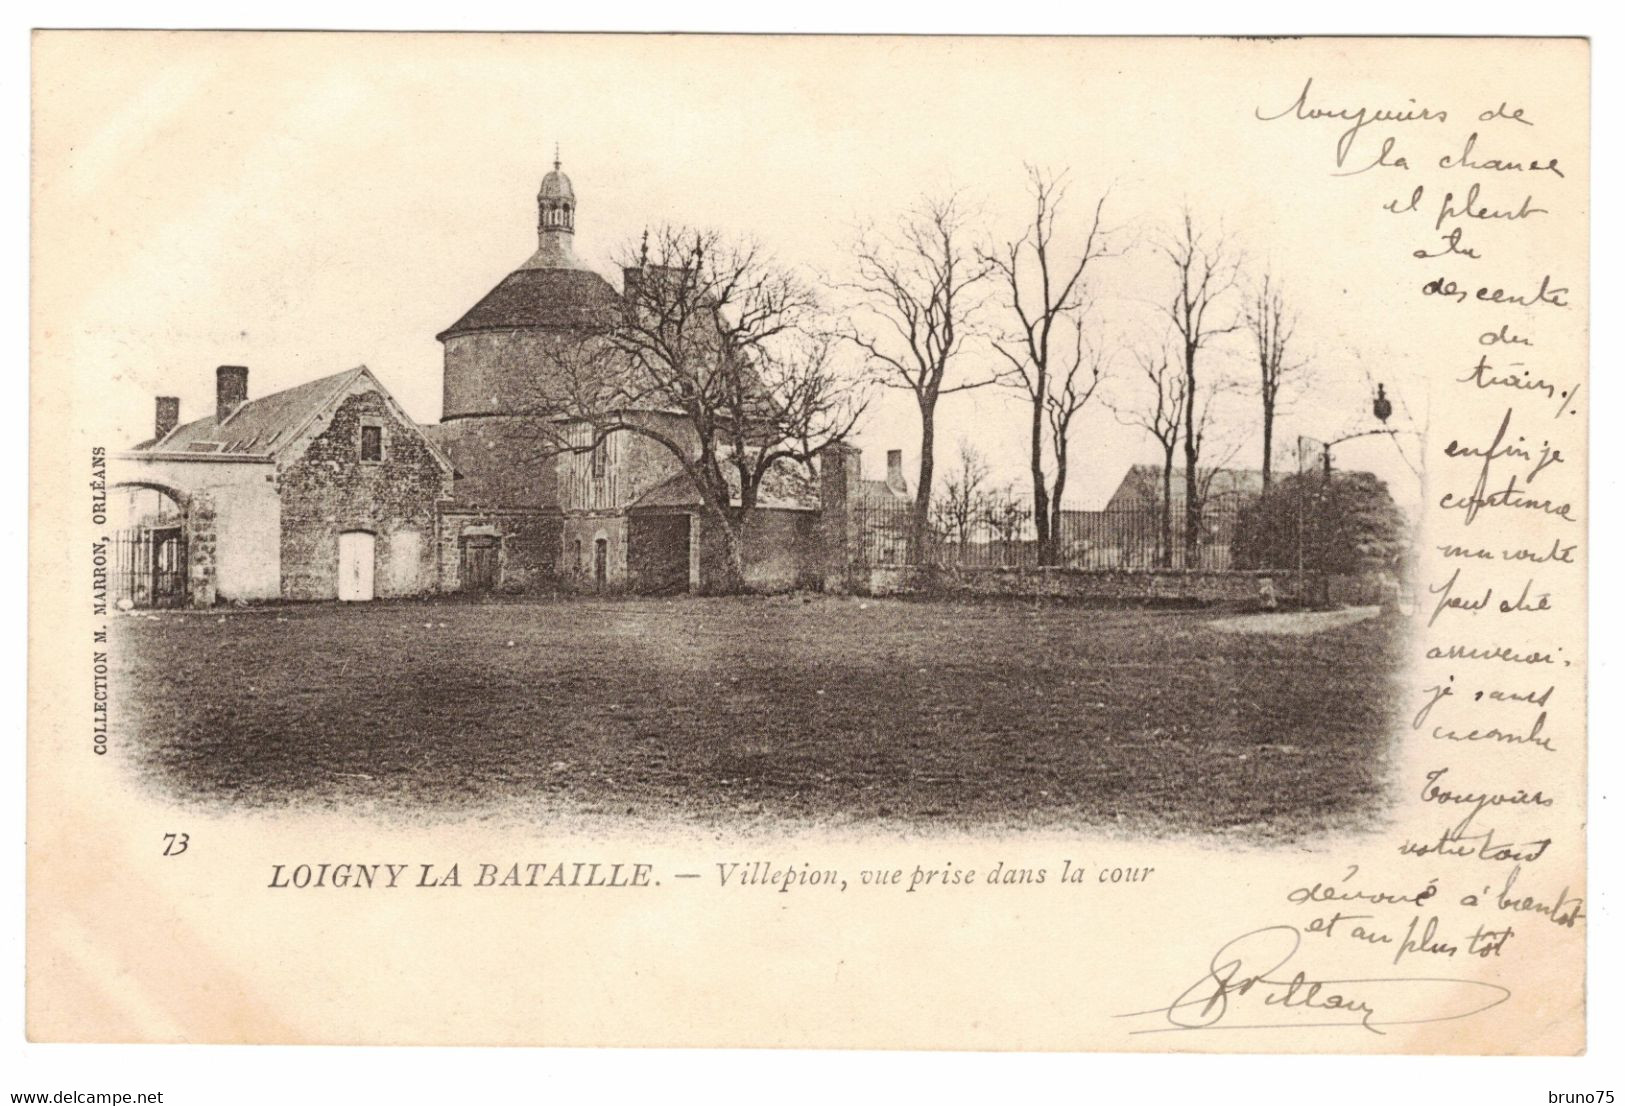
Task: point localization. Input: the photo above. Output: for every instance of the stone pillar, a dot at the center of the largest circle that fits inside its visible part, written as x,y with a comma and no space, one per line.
200,552
840,492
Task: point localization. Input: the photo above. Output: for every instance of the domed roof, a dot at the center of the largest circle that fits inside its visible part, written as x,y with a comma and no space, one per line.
553,288
556,186
540,297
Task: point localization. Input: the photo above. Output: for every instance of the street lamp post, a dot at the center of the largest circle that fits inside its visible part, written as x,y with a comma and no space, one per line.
1382,408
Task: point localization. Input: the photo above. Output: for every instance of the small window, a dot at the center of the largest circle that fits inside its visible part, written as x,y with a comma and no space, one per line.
600,458
372,443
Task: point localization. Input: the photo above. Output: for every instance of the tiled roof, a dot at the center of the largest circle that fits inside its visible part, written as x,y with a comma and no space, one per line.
549,297
1145,480
785,486
259,427
674,491
880,493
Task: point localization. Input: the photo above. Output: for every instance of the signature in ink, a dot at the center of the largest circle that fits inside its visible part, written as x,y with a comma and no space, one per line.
1249,986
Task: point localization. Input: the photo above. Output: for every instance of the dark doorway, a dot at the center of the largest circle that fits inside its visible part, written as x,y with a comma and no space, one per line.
150,567
168,568
481,555
657,554
600,563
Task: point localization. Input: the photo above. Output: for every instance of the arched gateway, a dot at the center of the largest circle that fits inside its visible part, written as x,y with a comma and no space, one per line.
162,545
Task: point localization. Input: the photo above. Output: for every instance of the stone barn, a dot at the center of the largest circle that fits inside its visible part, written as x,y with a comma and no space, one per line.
323,491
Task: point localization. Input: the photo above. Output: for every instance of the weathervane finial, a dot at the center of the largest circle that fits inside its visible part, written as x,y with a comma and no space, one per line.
555,156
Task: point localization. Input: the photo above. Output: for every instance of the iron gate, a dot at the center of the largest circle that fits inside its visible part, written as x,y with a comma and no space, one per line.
149,567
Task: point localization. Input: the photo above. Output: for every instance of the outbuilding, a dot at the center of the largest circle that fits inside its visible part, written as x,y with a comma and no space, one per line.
322,491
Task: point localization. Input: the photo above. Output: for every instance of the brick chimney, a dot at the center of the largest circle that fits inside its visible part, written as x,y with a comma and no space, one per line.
167,417
230,390
894,472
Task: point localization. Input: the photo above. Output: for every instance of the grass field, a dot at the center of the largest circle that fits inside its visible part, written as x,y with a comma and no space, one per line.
831,710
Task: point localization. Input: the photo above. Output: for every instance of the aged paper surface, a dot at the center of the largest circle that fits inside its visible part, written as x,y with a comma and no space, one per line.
1300,770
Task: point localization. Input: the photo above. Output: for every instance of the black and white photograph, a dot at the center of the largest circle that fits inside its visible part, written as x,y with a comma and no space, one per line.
1126,551
1108,513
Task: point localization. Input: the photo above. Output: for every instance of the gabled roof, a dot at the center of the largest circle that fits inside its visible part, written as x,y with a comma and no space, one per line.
550,297
677,490
1146,479
880,493
785,486
262,428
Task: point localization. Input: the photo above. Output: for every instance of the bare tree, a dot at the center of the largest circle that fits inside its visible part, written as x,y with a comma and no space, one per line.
918,301
1161,412
1006,515
1048,293
963,498
1208,475
1201,409
1207,270
1082,374
1272,327
713,356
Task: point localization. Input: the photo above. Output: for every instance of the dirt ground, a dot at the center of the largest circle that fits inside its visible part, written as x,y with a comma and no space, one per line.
803,708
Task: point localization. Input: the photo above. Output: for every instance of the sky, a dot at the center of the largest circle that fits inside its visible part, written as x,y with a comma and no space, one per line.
302,204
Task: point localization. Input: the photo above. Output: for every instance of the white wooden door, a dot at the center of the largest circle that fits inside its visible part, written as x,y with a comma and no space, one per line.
355,566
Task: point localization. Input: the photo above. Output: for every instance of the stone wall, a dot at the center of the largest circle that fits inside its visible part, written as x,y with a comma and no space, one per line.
528,554
502,461
1153,586
577,567
783,550
329,490
242,543
502,371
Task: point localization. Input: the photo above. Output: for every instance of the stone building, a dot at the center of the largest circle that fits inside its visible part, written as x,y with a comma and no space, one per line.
1141,487
621,516
328,490
323,491
1130,527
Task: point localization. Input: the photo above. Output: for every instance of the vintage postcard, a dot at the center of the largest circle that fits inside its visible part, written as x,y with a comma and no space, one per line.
907,543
